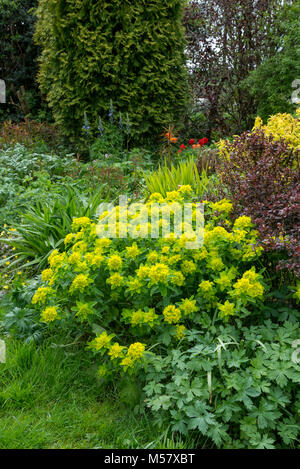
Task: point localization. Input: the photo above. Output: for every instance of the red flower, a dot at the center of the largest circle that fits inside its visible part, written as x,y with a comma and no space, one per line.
179,151
203,141
192,141
183,147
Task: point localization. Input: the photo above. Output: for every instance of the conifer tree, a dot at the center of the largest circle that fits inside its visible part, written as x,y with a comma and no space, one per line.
127,51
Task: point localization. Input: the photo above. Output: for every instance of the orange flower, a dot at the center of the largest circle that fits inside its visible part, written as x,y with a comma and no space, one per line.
173,139
196,146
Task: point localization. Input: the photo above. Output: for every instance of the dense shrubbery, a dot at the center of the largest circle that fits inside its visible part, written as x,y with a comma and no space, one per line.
217,73
181,320
25,176
30,133
201,335
30,174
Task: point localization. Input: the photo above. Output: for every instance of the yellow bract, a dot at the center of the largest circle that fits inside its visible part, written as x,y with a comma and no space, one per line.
282,126
172,314
49,314
40,295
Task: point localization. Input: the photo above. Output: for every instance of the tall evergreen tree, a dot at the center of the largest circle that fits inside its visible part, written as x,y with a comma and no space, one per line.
127,51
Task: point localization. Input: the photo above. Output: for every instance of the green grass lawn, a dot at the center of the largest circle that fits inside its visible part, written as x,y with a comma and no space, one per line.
50,398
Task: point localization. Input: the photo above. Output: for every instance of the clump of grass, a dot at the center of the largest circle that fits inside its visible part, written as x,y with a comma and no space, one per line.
50,398
168,179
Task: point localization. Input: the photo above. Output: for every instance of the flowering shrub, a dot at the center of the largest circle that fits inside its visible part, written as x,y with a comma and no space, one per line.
262,178
144,290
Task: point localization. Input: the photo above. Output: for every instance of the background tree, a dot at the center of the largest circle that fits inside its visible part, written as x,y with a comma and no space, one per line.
130,52
271,84
226,41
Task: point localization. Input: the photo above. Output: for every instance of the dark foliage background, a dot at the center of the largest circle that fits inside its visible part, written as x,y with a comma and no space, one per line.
18,59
